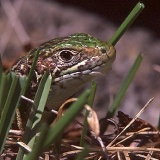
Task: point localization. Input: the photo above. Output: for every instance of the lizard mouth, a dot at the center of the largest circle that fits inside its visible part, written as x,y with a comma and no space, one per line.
92,67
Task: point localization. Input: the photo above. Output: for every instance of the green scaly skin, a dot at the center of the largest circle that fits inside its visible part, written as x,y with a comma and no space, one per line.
72,61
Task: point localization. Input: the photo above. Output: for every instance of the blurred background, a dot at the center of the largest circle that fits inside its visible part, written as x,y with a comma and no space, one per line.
25,24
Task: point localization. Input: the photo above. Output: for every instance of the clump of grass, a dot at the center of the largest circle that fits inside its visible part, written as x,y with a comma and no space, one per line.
39,139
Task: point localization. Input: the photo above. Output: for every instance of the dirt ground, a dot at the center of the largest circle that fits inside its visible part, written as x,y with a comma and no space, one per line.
38,21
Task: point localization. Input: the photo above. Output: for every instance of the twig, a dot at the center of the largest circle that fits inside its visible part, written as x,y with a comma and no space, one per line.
138,114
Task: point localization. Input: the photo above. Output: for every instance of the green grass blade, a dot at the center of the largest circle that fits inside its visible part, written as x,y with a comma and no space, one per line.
159,124
36,112
92,95
37,100
38,145
1,93
27,84
69,115
9,110
1,68
4,88
126,24
40,101
122,90
90,103
82,154
31,72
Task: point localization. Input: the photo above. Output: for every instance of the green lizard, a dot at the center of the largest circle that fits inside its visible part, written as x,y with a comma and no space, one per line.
72,61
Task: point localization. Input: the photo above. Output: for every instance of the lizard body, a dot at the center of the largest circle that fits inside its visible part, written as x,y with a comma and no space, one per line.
72,61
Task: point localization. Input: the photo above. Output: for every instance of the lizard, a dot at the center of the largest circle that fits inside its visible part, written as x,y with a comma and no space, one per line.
72,61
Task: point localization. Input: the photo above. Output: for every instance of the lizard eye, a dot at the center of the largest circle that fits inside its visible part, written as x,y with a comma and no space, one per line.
66,55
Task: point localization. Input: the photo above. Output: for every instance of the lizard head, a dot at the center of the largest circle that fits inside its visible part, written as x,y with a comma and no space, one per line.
65,57
72,61
82,54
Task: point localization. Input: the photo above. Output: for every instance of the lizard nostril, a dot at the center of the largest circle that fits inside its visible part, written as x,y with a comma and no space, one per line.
66,55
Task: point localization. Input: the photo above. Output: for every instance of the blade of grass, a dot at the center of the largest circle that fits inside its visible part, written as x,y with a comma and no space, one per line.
122,90
31,72
126,24
34,108
9,110
1,69
69,115
90,103
159,123
36,112
0,85
4,89
27,84
37,150
82,154
40,101
92,94
6,84
58,128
